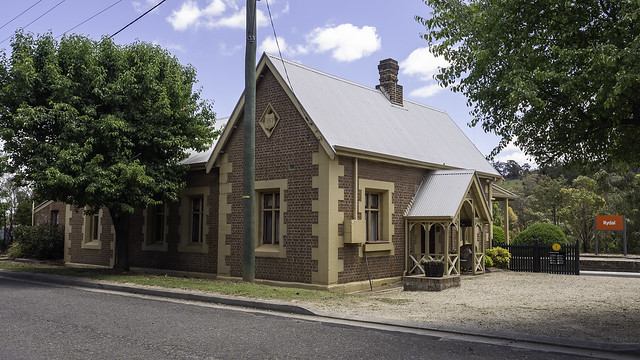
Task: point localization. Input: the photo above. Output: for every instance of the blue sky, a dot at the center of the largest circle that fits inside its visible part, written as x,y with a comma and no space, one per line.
345,38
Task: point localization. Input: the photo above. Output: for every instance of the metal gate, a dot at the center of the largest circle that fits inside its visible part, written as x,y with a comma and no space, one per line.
543,258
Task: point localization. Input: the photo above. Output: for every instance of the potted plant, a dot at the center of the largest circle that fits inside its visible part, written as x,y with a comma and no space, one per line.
433,268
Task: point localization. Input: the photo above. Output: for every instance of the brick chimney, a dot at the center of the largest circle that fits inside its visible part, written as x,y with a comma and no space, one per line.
388,70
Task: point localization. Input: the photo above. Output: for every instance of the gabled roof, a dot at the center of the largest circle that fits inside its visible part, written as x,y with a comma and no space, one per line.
352,118
502,193
442,192
199,159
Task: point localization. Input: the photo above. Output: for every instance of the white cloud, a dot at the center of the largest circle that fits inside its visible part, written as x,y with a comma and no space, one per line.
142,6
170,47
225,50
269,45
346,41
188,15
214,15
512,152
426,91
422,63
215,8
236,20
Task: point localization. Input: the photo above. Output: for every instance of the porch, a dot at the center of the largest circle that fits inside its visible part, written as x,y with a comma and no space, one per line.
449,221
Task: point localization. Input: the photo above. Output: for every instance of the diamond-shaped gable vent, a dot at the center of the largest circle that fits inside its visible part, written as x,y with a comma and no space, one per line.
269,120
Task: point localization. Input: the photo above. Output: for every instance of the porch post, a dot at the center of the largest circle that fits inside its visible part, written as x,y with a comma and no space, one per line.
474,243
406,247
506,222
447,239
459,228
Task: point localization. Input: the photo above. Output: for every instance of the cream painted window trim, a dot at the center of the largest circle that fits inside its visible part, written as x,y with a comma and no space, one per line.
385,189
147,243
87,231
184,230
270,251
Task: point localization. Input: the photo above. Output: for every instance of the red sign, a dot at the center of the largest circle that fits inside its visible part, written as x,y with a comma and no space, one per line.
610,222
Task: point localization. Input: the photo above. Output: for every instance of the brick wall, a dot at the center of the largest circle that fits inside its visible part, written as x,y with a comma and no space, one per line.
173,259
406,181
79,255
287,154
42,217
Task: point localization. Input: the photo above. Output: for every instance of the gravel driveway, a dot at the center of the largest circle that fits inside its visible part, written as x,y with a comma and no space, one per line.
590,308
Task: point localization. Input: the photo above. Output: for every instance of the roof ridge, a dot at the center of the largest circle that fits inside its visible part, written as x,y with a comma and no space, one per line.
319,72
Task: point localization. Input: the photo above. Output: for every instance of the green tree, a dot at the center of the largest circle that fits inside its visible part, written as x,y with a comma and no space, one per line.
548,198
97,124
23,213
583,205
12,195
558,78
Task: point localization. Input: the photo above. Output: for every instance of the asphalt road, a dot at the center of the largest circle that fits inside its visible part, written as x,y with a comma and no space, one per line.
50,322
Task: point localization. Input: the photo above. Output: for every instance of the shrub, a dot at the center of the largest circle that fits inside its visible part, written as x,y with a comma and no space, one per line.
488,261
498,235
38,242
498,257
545,233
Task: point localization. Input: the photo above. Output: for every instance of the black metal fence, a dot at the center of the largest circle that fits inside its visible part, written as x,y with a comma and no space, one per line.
545,259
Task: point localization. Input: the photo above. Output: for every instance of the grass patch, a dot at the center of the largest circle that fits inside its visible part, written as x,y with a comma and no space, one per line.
222,287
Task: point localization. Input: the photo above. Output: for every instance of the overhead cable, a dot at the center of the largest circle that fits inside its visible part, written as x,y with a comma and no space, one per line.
278,45
17,16
138,18
98,13
36,19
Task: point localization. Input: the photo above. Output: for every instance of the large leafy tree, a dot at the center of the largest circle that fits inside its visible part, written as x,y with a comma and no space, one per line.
96,124
559,78
583,205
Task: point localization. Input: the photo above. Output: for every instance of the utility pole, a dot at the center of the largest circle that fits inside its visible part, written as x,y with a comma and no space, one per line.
249,159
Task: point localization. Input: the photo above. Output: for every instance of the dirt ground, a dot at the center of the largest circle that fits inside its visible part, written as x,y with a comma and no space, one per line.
590,308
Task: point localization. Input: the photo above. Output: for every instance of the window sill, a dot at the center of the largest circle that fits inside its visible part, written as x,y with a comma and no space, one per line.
93,244
199,248
378,248
271,251
157,246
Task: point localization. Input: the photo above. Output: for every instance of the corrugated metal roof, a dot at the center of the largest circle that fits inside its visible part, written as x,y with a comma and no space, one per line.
202,157
502,193
441,193
357,117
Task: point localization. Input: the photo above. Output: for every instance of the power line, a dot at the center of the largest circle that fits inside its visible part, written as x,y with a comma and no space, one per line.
36,19
138,18
278,45
17,16
98,13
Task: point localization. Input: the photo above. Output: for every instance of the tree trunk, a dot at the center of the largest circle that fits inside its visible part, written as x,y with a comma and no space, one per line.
121,226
